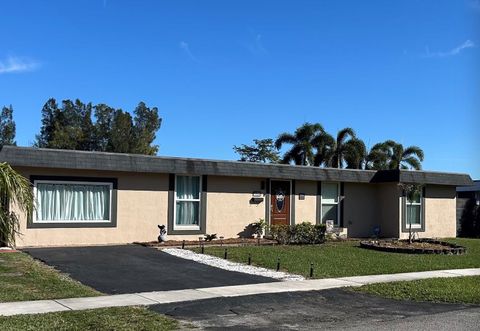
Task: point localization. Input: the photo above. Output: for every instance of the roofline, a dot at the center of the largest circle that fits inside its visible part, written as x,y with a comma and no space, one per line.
166,157
106,161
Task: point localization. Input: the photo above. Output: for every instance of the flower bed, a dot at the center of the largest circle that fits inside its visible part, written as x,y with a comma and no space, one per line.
216,242
420,246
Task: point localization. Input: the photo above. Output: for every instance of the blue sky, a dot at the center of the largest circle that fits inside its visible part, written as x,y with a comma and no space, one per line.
226,72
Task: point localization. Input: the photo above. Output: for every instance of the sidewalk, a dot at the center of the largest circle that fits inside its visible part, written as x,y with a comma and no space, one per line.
154,298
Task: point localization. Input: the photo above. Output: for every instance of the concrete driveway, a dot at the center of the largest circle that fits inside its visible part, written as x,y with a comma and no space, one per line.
133,268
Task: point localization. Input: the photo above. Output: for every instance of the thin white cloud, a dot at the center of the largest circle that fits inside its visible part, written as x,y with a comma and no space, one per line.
475,5
255,46
452,52
186,49
13,64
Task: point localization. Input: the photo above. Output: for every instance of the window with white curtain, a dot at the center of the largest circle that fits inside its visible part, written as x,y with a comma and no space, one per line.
187,202
330,203
414,211
77,202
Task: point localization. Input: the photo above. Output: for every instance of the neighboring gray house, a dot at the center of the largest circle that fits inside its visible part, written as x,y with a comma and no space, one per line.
465,193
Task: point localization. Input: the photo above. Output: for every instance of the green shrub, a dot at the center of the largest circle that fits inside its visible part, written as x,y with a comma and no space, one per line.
281,233
303,233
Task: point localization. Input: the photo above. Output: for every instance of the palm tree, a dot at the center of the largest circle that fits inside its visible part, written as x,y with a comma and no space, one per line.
346,149
301,152
392,155
325,147
378,157
14,189
356,154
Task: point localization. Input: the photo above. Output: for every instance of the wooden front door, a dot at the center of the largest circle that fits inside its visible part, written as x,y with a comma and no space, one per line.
280,202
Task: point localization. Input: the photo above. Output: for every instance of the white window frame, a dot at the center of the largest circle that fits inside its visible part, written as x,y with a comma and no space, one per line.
337,221
72,182
199,200
407,203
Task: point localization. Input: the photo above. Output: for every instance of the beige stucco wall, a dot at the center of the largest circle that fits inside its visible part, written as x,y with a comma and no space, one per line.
306,210
142,204
360,209
440,212
229,209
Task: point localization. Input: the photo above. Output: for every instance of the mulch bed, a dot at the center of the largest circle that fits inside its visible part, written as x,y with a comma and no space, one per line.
8,251
215,242
420,246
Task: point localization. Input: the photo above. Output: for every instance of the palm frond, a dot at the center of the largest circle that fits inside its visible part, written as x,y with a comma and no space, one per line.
413,162
285,138
15,190
413,150
344,133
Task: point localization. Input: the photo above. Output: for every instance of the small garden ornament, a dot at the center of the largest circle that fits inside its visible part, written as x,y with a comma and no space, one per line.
259,228
163,234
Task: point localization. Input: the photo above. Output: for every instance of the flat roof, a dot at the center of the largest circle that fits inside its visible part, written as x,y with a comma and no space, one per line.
86,160
470,188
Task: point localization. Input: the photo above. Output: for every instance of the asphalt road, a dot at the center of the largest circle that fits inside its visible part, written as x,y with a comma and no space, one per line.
133,268
331,309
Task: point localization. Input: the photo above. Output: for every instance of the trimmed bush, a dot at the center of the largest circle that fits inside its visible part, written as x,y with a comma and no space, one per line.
303,233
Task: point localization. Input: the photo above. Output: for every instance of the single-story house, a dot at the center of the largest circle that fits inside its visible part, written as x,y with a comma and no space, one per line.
89,198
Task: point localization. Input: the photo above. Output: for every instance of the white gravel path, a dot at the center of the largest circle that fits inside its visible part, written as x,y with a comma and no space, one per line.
231,266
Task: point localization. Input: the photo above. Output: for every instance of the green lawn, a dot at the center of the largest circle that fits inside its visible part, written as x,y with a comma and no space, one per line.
453,290
339,259
23,278
123,318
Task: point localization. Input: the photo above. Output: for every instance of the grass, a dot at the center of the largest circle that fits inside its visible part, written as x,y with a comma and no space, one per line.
122,318
341,259
452,290
23,278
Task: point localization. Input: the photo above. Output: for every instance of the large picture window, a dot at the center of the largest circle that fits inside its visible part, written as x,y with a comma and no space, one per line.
330,203
187,202
72,202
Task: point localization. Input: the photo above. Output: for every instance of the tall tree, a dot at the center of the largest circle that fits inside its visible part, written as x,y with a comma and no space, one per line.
71,126
49,111
378,157
7,127
341,146
146,124
263,150
355,155
301,152
324,145
104,115
121,134
392,155
344,150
